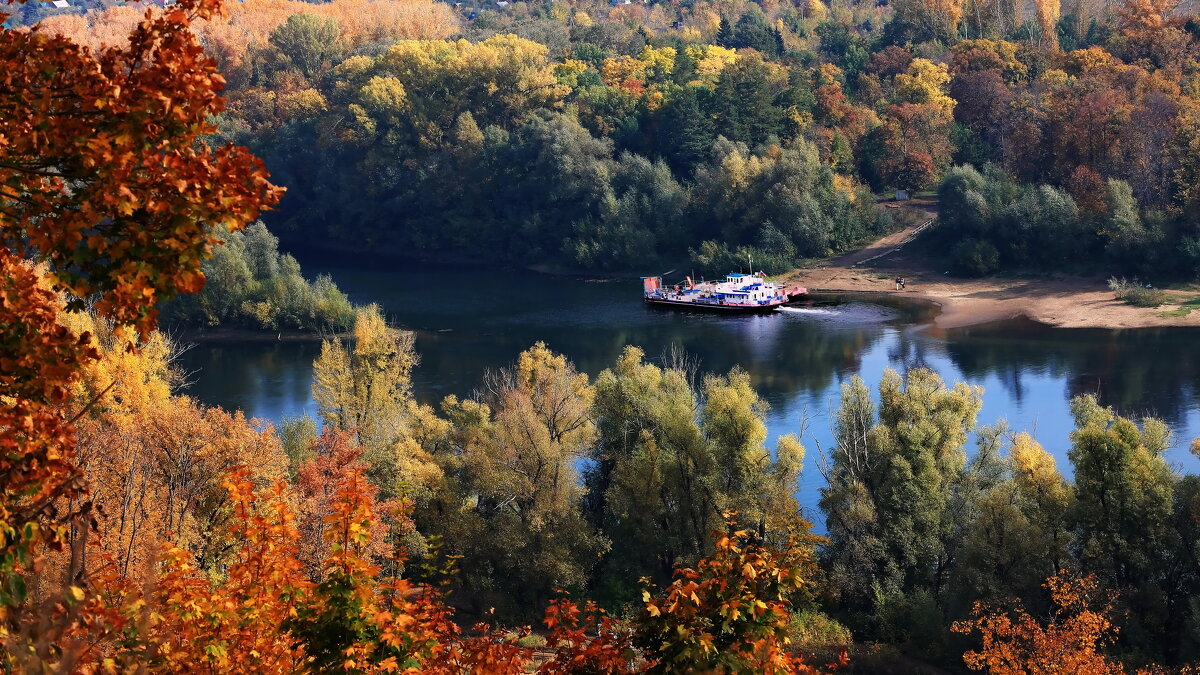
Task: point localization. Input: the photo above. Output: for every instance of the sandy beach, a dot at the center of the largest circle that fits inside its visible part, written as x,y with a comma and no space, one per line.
1057,300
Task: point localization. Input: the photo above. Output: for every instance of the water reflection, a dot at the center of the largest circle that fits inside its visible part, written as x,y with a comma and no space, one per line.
467,321
1139,372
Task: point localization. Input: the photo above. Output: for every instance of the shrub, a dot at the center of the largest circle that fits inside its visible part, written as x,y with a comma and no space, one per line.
975,257
812,630
718,259
1137,294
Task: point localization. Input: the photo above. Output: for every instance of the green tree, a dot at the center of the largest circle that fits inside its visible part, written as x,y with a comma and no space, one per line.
660,481
738,193
250,283
690,129
648,488
511,500
891,483
744,102
1017,526
640,221
310,42
1123,515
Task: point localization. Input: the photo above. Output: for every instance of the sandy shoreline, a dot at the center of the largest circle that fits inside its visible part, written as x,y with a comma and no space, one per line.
1063,302
1057,300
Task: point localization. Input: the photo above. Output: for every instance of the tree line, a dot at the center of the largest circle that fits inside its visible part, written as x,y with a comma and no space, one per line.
547,480
598,137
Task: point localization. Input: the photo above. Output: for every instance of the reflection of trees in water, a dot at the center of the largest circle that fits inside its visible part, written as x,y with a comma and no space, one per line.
909,351
784,355
247,374
1144,371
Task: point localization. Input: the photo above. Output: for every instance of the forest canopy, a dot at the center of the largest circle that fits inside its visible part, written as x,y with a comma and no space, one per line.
446,118
617,137
141,530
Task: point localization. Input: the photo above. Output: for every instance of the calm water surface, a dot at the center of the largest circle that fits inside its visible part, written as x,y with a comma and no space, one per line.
467,321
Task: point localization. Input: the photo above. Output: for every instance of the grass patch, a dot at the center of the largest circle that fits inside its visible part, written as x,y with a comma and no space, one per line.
1185,308
532,641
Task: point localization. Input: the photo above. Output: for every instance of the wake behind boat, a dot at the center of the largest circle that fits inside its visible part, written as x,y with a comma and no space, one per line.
737,293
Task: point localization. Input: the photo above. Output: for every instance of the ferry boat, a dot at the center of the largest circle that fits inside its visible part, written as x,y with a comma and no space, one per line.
737,293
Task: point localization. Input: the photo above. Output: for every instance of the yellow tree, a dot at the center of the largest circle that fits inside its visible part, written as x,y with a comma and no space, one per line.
1048,12
925,82
500,81
365,388
154,461
1018,531
512,501
929,19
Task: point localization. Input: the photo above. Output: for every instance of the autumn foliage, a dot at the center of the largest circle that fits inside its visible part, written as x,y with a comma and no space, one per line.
100,172
731,613
197,563
143,531
244,26
102,178
1016,643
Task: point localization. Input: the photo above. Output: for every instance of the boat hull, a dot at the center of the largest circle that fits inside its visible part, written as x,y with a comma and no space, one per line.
710,307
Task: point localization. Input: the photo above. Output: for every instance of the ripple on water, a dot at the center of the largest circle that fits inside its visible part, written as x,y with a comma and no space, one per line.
842,313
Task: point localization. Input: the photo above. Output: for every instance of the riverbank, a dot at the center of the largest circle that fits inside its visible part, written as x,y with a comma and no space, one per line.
1060,300
234,334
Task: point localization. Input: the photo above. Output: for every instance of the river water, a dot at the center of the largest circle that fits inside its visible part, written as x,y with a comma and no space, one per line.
467,321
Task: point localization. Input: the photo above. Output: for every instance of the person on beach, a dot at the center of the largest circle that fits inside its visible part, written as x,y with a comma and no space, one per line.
901,283
897,283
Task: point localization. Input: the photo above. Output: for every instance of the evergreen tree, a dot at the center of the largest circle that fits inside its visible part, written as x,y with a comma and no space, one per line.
745,103
690,130
725,36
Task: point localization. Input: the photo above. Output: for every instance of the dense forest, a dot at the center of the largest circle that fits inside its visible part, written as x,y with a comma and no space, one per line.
638,519
917,533
600,136
548,483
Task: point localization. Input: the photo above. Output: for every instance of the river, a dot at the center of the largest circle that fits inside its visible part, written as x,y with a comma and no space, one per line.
467,321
